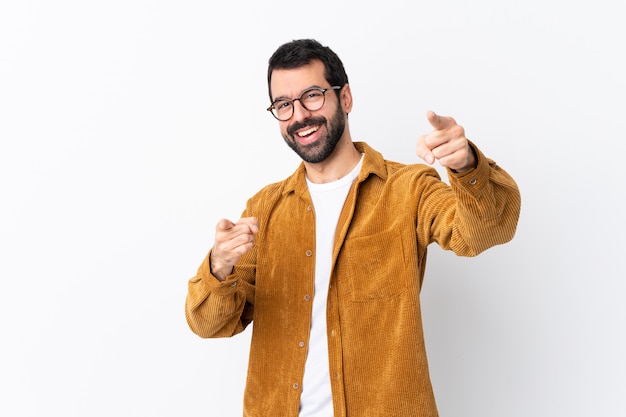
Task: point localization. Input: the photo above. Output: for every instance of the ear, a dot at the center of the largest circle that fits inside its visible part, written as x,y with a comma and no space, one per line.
345,95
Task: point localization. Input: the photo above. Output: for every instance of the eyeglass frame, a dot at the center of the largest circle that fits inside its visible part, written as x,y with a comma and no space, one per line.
292,100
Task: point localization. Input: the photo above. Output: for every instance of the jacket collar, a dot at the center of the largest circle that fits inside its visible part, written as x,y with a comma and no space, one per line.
373,163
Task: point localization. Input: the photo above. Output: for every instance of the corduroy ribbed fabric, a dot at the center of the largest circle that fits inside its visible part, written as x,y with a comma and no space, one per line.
377,356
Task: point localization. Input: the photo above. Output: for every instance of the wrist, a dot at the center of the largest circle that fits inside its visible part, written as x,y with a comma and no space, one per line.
221,272
470,163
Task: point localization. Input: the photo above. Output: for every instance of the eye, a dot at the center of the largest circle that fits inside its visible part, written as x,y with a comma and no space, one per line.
312,94
282,104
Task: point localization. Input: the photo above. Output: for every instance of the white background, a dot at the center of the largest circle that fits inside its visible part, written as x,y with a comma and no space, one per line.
129,128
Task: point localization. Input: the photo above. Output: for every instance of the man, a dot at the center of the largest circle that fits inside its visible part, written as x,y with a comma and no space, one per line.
328,264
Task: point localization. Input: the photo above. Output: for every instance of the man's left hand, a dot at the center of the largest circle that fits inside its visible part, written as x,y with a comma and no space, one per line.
447,144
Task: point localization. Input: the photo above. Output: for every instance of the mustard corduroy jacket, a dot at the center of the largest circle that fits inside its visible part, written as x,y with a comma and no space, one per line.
377,356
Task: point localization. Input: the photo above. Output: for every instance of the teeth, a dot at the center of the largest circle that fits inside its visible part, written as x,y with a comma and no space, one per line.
307,132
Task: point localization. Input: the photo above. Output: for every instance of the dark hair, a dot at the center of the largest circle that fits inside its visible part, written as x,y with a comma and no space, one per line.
298,53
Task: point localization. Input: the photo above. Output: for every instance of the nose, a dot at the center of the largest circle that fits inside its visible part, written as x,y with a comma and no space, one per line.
299,111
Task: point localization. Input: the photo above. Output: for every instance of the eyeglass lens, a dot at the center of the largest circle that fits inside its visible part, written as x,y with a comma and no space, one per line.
312,99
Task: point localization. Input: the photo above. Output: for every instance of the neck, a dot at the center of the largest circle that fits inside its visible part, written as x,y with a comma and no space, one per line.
336,166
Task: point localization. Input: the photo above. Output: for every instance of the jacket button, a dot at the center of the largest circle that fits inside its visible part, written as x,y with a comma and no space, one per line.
472,181
309,253
295,386
307,297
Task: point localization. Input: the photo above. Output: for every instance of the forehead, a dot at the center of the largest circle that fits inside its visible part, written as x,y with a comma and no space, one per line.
292,82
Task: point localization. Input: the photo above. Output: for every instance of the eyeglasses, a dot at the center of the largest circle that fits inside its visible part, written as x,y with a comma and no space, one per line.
312,100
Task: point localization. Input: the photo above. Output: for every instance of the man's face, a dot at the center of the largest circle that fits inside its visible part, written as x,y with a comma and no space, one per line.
313,135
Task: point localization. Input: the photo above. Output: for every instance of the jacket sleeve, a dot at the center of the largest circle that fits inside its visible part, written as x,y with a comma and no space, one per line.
216,308
479,210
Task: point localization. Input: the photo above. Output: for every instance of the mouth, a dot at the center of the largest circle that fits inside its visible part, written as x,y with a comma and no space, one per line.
307,132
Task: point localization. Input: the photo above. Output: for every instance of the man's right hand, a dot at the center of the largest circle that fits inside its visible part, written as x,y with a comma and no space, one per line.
232,241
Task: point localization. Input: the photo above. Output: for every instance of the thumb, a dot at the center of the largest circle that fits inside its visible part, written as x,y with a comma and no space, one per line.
252,222
439,122
424,152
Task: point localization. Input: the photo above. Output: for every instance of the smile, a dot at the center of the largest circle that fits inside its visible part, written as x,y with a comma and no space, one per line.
307,132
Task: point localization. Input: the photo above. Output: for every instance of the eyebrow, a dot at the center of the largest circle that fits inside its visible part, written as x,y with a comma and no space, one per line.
301,92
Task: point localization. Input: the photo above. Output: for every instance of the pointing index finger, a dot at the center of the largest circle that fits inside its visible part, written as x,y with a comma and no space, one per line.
439,122
225,224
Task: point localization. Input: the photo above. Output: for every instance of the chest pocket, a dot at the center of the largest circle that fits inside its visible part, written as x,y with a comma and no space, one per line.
373,267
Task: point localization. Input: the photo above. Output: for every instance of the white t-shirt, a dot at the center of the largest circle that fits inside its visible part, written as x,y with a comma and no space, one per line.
328,200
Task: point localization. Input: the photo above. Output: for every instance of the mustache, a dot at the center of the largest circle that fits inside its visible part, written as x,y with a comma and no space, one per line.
306,123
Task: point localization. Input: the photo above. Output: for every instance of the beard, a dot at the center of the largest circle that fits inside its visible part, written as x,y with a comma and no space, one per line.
325,145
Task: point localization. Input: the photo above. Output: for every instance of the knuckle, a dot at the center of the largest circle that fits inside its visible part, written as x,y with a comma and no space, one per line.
458,130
